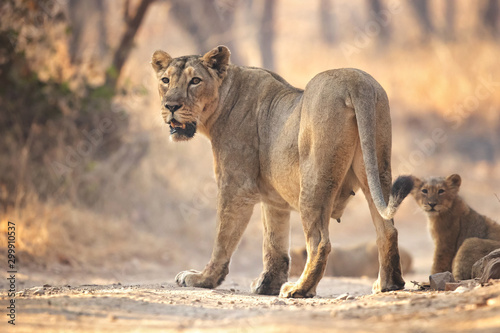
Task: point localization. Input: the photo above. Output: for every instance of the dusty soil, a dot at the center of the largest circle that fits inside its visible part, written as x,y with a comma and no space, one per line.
342,305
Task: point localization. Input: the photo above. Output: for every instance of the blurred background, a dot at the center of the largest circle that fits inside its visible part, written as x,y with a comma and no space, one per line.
99,193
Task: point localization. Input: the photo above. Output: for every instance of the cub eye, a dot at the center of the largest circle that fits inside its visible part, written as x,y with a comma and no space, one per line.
195,80
441,191
424,191
165,80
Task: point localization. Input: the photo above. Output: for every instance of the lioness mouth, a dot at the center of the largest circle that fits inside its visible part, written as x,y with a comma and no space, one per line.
187,129
175,124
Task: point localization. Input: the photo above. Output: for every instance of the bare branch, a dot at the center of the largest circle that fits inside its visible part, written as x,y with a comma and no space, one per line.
126,42
126,12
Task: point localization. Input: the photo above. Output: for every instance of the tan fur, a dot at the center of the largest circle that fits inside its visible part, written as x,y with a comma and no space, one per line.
461,235
289,149
356,261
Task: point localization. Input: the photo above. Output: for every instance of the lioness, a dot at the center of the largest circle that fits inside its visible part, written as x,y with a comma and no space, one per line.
461,235
290,149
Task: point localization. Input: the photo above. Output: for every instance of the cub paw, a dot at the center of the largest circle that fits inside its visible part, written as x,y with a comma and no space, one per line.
189,278
291,290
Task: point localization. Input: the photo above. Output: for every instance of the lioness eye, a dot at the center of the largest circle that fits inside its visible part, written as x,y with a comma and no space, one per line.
195,80
165,80
424,191
441,191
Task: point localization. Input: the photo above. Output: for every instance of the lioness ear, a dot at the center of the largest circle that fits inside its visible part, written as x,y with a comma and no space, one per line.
160,60
454,181
218,59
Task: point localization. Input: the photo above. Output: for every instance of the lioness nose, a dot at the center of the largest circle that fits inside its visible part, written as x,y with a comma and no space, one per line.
432,204
173,107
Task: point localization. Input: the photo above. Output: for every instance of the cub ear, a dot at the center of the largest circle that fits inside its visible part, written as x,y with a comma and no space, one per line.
454,181
417,184
218,59
160,61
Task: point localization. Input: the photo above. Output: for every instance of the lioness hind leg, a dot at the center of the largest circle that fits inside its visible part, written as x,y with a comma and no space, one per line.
321,179
275,251
471,250
389,276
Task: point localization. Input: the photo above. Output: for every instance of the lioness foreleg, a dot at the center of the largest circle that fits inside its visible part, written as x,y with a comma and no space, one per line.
233,215
275,251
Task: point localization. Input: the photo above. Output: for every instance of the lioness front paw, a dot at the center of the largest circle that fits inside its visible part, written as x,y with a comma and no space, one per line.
291,290
192,278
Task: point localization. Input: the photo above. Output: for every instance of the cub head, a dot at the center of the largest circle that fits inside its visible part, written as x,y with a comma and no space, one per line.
189,88
436,194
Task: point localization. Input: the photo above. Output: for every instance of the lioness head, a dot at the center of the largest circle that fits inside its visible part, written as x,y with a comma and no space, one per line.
436,194
189,88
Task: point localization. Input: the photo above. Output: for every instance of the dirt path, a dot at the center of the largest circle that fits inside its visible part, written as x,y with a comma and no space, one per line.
230,308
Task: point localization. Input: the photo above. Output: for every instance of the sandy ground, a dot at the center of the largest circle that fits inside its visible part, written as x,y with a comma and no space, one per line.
342,305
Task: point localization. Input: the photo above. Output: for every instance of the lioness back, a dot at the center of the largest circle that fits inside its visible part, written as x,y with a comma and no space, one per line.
461,235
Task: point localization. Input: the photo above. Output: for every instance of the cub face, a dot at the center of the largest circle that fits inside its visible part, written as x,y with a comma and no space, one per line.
189,89
436,195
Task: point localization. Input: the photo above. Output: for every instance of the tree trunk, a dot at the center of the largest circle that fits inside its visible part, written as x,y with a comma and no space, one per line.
450,9
421,8
266,35
82,15
377,11
207,23
490,17
326,20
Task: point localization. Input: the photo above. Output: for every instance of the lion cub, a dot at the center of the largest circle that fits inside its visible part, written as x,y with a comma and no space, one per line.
461,235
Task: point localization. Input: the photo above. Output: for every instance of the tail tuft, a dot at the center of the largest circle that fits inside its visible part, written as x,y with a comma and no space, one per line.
401,188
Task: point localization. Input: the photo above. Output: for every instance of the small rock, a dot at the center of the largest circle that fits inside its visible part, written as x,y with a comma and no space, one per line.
47,286
461,289
493,301
278,301
438,281
464,285
342,297
451,286
39,292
